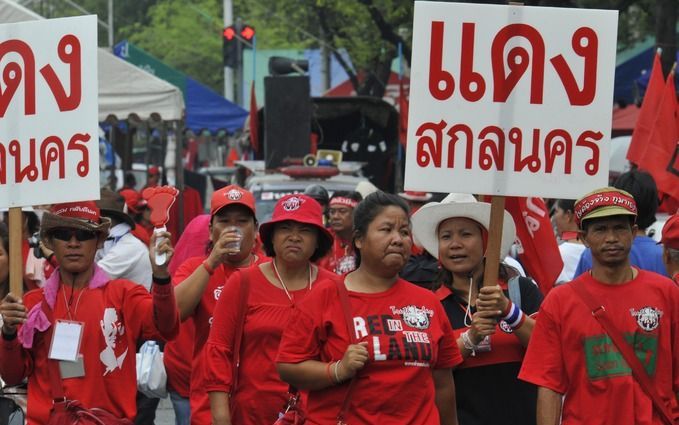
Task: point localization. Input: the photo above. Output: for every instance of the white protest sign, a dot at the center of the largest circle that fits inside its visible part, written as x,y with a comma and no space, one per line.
49,143
510,100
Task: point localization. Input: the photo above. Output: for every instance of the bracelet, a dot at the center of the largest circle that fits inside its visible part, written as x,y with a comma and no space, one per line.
161,280
337,379
515,317
327,372
468,344
208,269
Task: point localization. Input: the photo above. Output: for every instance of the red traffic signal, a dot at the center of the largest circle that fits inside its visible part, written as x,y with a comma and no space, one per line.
229,33
247,32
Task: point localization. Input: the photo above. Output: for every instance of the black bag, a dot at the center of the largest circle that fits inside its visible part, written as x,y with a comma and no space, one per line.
10,412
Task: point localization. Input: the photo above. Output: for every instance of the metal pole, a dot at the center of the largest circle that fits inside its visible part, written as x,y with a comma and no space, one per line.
228,72
110,24
325,63
238,100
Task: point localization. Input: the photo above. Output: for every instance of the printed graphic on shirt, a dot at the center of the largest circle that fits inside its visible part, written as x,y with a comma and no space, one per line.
115,352
217,292
346,264
604,360
648,318
400,336
505,327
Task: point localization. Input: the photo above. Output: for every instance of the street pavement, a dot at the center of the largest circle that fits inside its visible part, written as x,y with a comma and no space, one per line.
164,413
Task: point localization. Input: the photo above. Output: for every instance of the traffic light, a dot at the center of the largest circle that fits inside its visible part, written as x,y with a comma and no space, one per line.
247,32
230,47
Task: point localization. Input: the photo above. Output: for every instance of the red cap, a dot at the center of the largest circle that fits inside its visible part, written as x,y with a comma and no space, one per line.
231,195
133,200
415,196
82,210
670,232
154,170
297,207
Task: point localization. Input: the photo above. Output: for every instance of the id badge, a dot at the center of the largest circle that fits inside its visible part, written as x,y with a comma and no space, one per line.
74,369
66,339
484,345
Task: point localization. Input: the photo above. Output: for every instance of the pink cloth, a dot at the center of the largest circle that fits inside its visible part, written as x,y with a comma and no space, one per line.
37,320
192,242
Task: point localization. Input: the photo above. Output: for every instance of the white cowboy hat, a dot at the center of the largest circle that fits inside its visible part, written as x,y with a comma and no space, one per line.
427,219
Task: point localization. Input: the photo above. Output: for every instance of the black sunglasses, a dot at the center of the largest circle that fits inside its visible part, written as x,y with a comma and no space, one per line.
67,234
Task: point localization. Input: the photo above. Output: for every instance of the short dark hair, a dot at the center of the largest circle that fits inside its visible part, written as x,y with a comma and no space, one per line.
323,243
369,208
566,204
643,189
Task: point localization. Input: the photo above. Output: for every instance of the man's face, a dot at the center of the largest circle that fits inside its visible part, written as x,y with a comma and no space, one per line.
341,218
610,239
74,248
153,179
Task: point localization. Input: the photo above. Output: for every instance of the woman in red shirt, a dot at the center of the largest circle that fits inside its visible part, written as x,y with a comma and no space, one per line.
401,365
294,238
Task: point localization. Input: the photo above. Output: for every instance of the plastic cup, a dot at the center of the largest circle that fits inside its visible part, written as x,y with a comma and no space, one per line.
235,245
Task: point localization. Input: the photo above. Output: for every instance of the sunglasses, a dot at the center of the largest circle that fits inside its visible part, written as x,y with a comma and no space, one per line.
67,234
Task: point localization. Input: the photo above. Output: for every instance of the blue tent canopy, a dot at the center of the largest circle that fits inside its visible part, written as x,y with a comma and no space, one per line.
205,109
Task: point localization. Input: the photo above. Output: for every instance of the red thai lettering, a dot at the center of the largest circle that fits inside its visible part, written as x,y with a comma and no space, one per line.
492,151
30,171
469,136
586,45
588,139
52,150
69,53
558,142
532,161
472,84
428,148
441,82
12,76
517,62
77,142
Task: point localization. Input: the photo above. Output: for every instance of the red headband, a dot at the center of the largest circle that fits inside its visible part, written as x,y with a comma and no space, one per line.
595,201
340,200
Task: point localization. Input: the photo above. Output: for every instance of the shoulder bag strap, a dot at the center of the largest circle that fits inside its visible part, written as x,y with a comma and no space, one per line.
52,365
638,371
348,317
240,323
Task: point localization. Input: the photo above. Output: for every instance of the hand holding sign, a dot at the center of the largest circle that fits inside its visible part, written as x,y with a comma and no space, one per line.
160,200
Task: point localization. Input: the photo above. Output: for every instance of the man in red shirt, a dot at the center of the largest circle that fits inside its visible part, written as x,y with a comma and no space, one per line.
670,242
199,282
341,259
573,360
95,322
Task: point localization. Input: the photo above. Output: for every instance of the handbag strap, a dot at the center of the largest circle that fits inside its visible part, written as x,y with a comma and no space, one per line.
52,365
240,324
638,371
348,317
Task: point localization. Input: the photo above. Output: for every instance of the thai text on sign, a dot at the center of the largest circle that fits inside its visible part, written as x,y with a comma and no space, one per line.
510,100
49,145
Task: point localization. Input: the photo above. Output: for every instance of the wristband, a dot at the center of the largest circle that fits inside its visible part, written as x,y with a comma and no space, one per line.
337,379
208,269
468,344
161,280
515,317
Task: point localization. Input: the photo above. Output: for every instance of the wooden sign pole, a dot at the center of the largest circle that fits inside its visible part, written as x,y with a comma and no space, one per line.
16,272
497,210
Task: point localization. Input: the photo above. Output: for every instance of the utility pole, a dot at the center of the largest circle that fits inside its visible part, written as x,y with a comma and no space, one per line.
325,62
228,72
110,24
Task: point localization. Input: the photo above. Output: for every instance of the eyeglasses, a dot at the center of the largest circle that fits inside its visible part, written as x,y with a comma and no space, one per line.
67,234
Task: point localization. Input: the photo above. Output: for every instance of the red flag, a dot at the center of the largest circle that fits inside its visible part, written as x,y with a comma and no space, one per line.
403,105
254,120
647,114
538,250
661,156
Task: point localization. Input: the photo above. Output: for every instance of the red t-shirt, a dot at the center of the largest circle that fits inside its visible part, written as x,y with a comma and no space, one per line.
341,259
115,317
260,394
408,335
570,353
191,341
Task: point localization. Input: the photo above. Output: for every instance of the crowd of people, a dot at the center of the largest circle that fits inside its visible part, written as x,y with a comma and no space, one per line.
349,307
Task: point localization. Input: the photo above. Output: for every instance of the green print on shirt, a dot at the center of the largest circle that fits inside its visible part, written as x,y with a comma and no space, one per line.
604,360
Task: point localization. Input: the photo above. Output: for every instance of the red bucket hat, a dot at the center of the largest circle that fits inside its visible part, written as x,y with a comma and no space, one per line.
299,208
670,232
231,195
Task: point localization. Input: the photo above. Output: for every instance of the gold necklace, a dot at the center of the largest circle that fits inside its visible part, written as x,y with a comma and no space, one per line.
285,288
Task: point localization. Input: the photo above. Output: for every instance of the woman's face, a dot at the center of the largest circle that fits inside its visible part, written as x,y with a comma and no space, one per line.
386,244
460,245
4,263
562,220
294,242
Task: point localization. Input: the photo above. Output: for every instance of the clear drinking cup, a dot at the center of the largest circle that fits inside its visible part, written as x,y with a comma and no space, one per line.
235,245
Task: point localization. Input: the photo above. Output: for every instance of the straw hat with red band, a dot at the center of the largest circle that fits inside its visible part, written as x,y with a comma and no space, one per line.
411,195
604,202
83,215
231,195
670,232
427,219
299,208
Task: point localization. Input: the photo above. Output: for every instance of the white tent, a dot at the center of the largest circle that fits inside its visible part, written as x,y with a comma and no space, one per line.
123,88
